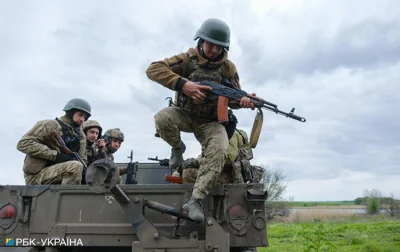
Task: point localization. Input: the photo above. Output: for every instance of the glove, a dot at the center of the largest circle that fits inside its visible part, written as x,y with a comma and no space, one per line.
190,163
61,158
176,174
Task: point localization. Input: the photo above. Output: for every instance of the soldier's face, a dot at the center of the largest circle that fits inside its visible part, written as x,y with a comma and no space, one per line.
92,135
211,50
79,117
115,144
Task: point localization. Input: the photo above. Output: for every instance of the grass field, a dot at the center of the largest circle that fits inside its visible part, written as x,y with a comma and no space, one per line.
321,203
332,232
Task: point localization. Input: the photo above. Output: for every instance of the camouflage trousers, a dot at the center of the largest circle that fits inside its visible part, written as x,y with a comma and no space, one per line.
212,136
67,173
189,176
227,176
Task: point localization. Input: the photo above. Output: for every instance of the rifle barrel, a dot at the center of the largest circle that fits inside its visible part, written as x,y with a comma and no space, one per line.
291,115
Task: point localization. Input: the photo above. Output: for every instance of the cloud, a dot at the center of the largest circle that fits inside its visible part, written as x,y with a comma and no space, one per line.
336,63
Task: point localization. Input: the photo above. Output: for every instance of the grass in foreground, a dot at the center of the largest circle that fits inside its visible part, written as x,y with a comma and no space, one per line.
377,233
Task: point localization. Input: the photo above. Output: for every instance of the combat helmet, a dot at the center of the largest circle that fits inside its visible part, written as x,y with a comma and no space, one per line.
215,31
114,133
78,104
91,124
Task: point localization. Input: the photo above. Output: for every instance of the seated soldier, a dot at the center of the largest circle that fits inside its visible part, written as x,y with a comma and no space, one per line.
113,139
237,168
93,130
45,162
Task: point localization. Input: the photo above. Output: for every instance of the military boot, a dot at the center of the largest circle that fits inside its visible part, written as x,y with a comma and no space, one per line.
176,159
194,207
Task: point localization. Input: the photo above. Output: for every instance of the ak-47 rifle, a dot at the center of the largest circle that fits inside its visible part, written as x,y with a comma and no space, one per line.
131,171
228,91
56,139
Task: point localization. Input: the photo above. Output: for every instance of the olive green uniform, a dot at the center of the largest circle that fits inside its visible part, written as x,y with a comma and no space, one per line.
39,164
91,148
189,117
237,168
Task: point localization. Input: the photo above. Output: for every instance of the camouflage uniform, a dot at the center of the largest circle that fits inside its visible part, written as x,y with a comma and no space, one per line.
108,135
91,148
237,165
39,164
107,152
187,116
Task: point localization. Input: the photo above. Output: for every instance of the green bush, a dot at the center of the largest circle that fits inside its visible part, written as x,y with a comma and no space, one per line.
373,206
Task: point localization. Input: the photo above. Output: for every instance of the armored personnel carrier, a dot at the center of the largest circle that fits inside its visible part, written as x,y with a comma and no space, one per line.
141,215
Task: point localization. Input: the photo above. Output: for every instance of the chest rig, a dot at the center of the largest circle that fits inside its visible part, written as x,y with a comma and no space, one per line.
91,153
245,152
208,109
71,138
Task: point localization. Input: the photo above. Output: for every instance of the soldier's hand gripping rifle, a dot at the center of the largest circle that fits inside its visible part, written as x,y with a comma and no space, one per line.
56,139
131,171
228,91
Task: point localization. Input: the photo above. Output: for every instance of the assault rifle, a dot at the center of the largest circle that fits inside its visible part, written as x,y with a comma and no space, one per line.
56,139
131,171
228,91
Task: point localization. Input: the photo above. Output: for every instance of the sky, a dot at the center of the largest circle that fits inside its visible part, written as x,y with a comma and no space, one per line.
336,62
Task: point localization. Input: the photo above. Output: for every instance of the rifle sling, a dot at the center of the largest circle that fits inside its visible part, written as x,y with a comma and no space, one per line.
256,130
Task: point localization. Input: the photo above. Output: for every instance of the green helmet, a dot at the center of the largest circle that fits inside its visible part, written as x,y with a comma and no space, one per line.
79,104
114,133
215,31
91,124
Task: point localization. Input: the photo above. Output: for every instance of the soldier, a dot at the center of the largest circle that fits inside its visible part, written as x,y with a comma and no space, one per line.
113,139
207,61
237,168
45,165
93,130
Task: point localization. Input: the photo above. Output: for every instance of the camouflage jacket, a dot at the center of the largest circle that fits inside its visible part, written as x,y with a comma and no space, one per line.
173,72
104,154
235,142
38,154
92,152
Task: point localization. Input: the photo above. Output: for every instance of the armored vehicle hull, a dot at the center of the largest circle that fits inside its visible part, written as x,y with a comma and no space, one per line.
131,217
